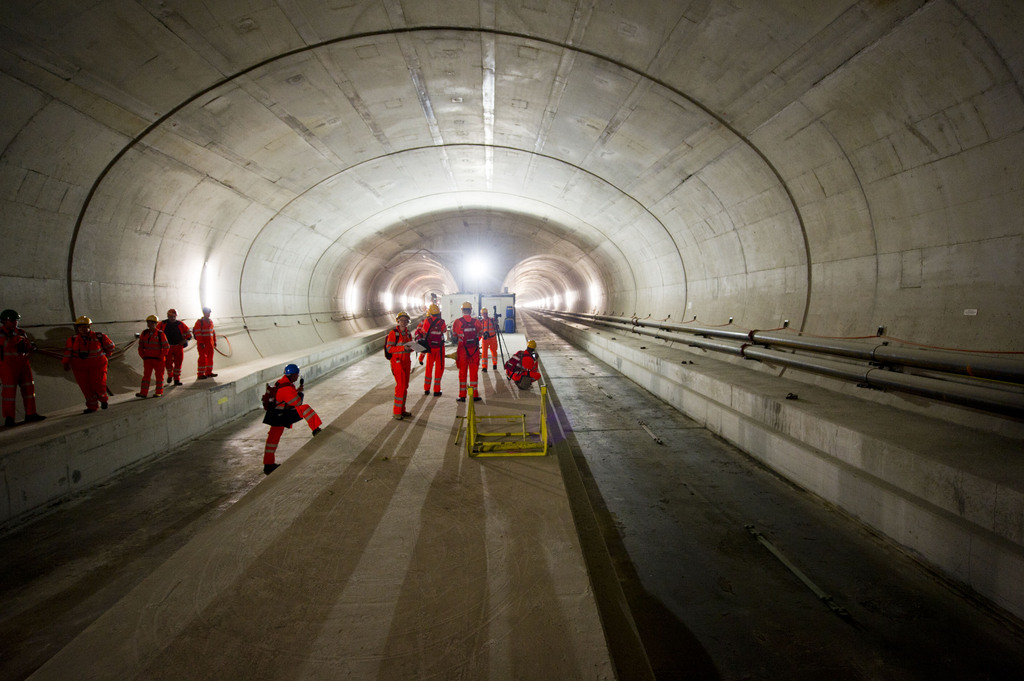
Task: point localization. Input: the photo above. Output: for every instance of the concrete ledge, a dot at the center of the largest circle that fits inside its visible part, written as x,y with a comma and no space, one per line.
44,463
951,495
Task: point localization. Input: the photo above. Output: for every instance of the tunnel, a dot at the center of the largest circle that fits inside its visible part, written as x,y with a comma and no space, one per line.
840,170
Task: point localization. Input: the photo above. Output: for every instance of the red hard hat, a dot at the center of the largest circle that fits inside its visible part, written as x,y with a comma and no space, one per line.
172,312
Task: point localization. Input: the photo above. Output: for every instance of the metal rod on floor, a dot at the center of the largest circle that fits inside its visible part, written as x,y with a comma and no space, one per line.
822,596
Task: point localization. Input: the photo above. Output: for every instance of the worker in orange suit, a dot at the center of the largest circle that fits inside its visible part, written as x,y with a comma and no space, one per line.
153,347
430,333
398,352
488,340
523,368
206,341
285,407
86,354
15,370
178,335
467,358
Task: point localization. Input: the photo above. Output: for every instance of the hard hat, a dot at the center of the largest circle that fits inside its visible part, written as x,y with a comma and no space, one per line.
291,370
401,314
531,344
433,309
83,320
172,312
152,318
483,311
9,314
468,305
207,310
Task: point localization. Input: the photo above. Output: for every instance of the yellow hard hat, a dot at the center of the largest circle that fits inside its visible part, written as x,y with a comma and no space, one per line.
83,320
467,304
401,314
531,344
152,318
433,309
483,311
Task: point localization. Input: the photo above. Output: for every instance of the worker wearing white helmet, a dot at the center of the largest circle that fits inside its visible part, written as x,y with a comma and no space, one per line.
467,330
178,335
153,347
206,342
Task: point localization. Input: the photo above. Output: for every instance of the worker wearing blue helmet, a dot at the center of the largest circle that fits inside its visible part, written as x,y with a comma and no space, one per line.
283,402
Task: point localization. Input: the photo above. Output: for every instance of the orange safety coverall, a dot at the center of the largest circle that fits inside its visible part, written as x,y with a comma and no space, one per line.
401,365
178,335
522,364
153,347
16,371
287,397
489,342
431,333
86,354
467,358
206,341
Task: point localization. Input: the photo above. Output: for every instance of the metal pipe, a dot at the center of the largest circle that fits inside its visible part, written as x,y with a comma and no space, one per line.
959,391
971,364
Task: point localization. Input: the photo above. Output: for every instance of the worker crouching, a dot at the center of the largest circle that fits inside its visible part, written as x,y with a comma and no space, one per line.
85,354
284,406
396,349
523,367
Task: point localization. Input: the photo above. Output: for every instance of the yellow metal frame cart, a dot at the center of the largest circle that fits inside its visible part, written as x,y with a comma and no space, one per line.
498,443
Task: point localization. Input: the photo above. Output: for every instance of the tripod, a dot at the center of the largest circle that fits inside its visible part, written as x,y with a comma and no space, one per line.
502,348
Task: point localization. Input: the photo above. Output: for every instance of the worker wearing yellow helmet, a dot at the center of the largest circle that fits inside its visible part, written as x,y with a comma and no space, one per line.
467,330
85,354
523,368
396,349
153,348
488,340
430,333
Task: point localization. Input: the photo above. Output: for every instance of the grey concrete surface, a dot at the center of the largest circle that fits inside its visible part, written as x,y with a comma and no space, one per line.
950,495
380,551
377,550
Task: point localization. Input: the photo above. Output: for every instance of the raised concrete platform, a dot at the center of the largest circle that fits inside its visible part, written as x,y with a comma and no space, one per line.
43,463
950,494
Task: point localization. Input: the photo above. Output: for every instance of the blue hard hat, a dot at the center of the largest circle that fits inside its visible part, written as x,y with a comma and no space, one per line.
291,369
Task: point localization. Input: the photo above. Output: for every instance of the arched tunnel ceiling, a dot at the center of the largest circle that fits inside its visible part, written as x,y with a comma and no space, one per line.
786,159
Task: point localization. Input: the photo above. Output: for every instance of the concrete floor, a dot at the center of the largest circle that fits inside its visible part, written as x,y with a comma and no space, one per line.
380,551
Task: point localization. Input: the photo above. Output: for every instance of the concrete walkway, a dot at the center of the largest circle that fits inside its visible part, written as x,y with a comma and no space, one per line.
378,550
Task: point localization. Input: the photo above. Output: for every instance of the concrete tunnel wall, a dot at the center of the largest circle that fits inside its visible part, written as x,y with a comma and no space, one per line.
841,165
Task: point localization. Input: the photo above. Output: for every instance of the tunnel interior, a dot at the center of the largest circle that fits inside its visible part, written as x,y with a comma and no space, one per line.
307,169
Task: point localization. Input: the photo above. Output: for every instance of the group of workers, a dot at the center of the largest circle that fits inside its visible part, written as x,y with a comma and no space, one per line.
161,346
86,354
476,342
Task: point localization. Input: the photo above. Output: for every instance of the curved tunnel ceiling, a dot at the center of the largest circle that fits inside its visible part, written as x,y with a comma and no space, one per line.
839,164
